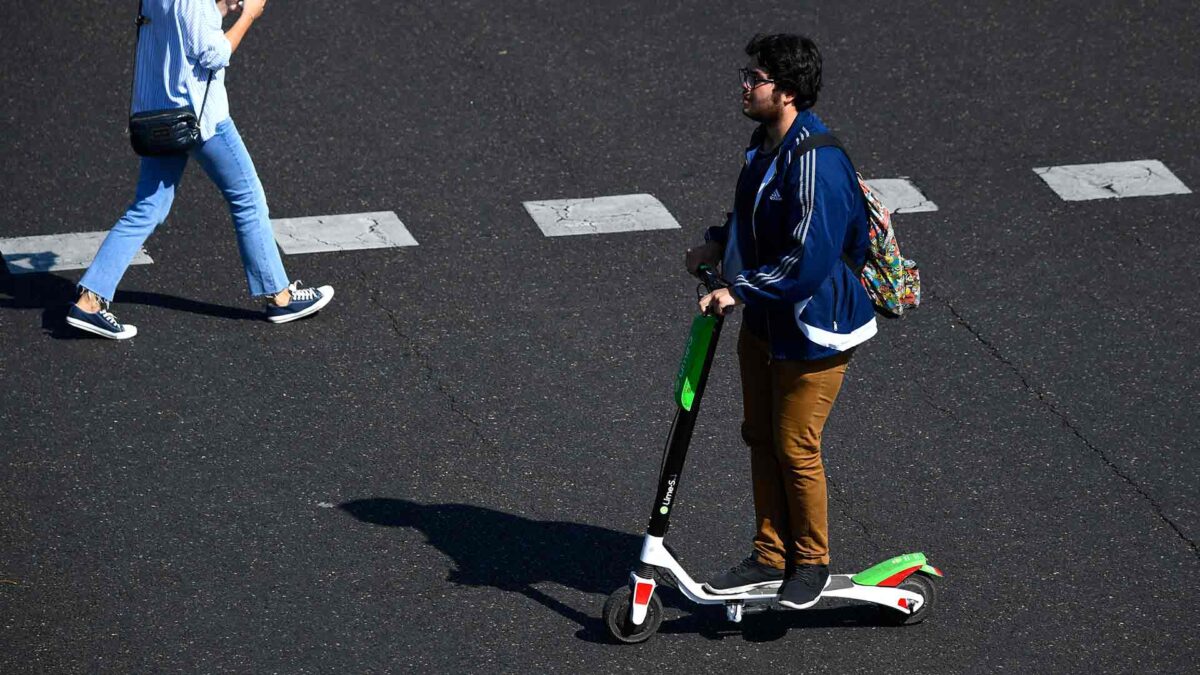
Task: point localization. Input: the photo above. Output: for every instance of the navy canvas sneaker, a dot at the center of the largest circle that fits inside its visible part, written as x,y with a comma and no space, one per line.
101,323
803,586
745,576
305,301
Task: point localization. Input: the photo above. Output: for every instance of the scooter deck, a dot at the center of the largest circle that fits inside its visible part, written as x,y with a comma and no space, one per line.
837,582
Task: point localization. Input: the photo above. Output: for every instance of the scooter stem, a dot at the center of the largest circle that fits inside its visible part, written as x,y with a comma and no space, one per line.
690,385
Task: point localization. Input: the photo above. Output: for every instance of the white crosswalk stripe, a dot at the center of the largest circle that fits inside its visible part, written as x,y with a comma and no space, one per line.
345,232
899,195
1142,178
54,252
600,215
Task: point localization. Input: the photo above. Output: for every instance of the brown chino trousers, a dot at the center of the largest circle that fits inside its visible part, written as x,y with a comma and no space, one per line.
786,404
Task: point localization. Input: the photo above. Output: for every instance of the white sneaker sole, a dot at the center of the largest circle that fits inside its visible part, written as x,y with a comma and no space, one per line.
130,330
793,605
318,306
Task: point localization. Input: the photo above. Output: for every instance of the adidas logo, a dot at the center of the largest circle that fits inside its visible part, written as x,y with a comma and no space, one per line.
775,196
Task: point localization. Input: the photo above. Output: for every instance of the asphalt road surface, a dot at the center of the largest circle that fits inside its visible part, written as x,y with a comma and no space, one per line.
450,468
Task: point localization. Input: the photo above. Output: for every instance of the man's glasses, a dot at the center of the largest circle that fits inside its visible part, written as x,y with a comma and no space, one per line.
751,79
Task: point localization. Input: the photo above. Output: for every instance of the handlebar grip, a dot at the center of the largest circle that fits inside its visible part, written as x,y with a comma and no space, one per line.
709,277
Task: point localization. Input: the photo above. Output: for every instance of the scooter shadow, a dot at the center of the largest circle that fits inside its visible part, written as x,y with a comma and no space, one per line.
710,622
514,554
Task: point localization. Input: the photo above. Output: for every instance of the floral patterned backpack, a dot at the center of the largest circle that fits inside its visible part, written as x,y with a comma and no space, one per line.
892,281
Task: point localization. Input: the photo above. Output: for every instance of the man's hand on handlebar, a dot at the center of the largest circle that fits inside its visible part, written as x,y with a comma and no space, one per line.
718,301
707,254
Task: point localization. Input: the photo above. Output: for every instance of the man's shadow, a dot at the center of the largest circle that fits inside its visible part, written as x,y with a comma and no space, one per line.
512,553
53,294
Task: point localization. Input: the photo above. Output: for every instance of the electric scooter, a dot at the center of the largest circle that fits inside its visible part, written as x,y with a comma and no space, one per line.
903,586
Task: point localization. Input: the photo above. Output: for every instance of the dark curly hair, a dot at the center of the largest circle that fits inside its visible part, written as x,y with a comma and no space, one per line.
793,61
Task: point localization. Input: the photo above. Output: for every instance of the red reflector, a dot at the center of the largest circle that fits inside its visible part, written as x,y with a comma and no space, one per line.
903,602
641,594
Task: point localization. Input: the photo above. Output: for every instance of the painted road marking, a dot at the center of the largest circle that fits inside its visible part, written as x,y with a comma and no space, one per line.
600,215
53,252
1142,178
344,232
899,195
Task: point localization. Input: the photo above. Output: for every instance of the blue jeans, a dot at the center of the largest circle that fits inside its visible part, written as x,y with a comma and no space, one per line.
225,159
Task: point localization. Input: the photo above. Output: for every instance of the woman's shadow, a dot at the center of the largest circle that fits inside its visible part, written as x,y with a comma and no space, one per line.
53,294
512,553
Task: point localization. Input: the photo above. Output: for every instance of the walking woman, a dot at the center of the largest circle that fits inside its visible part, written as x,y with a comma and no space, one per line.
181,56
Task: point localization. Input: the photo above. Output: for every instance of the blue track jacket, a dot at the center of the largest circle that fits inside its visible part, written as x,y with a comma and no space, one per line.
787,264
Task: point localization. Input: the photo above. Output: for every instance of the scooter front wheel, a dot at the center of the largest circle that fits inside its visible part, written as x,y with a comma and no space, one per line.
616,617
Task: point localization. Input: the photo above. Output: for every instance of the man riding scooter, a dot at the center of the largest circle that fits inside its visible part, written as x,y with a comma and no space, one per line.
797,226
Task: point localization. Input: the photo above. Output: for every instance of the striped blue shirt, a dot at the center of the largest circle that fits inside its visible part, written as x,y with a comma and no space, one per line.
177,49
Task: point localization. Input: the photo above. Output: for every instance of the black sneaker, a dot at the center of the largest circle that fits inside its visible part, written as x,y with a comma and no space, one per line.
305,301
745,576
100,323
803,587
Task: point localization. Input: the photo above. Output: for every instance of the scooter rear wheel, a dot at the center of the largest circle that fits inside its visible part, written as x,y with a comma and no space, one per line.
616,617
922,585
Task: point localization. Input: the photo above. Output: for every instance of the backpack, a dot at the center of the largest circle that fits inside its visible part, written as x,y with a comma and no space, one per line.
892,281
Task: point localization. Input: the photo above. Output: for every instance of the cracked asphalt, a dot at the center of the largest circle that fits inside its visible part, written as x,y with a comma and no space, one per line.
450,468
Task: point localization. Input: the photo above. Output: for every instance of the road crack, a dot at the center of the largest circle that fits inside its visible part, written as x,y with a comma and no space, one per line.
836,494
428,373
1066,422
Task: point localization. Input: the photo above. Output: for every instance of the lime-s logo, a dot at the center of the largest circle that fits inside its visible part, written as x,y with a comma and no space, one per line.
666,502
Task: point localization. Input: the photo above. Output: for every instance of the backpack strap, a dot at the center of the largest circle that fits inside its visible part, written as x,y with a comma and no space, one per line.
829,140
820,141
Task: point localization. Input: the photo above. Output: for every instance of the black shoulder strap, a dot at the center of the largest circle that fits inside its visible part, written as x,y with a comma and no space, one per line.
137,37
820,141
825,140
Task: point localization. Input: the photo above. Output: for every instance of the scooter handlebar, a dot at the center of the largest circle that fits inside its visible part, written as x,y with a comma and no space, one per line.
708,276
